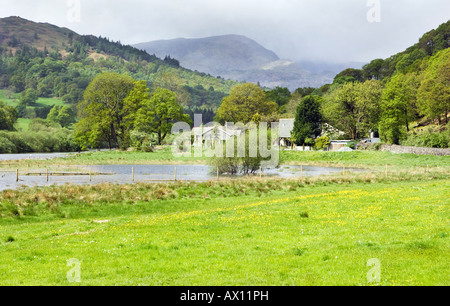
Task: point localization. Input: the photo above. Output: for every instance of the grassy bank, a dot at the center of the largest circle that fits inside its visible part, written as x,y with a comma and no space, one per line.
364,159
374,160
268,232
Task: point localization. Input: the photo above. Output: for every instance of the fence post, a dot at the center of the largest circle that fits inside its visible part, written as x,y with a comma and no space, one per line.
132,174
175,174
90,175
260,172
46,173
17,175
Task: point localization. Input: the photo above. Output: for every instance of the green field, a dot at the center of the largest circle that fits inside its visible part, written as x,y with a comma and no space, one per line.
22,124
13,101
230,233
305,231
372,160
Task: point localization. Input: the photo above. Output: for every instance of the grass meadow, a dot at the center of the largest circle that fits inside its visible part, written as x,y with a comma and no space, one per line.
315,231
13,100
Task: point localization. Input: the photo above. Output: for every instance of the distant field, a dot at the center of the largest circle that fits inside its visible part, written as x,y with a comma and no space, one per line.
229,233
22,124
40,102
364,159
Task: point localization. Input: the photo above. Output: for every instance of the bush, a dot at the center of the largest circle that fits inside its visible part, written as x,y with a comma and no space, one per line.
40,140
429,138
322,142
234,165
142,141
352,144
6,146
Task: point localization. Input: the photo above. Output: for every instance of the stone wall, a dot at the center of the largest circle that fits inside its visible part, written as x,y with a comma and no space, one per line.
415,150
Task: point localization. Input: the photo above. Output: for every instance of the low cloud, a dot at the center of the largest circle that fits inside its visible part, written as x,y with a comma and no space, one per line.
327,30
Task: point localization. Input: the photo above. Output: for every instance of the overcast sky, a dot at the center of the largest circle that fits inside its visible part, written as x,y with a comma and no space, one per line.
326,30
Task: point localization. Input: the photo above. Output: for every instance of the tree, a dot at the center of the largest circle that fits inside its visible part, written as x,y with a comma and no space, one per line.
434,92
29,97
8,117
308,120
349,75
101,110
291,107
354,107
398,107
280,95
374,70
159,113
171,81
62,114
244,101
242,159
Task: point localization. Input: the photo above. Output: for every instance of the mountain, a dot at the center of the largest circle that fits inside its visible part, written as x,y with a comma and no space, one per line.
217,55
15,31
42,60
238,58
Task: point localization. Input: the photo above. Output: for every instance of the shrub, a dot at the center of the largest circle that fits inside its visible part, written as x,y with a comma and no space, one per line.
6,146
322,142
43,141
429,138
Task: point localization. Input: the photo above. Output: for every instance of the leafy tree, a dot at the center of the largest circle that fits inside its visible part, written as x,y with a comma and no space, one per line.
169,80
374,70
398,107
280,95
308,120
8,117
62,114
349,75
434,92
101,111
244,101
354,107
291,107
29,97
304,91
159,113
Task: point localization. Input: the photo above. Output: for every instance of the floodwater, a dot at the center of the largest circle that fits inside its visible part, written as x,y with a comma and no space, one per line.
32,156
126,174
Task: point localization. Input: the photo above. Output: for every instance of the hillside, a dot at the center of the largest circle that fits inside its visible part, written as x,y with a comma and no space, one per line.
45,61
238,58
16,31
409,94
409,60
217,55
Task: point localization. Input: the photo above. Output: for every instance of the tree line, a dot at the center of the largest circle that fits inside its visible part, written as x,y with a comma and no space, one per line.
356,104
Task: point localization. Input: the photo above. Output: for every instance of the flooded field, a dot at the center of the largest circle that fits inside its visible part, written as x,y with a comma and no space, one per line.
126,174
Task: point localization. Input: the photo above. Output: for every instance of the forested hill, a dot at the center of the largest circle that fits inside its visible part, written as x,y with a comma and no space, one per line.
408,94
407,61
43,60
